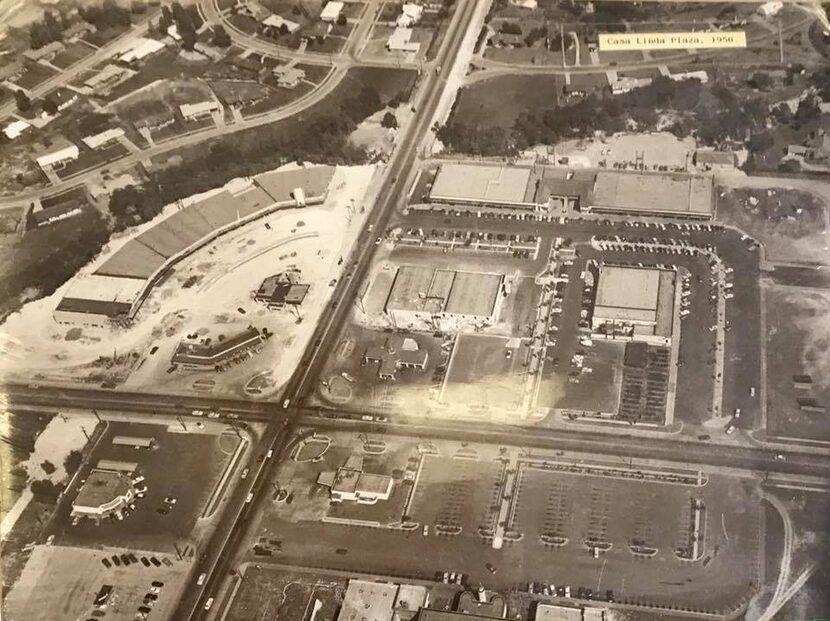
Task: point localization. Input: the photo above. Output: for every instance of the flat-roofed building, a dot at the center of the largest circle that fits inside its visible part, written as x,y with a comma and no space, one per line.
98,301
351,483
556,612
107,76
140,49
411,14
134,441
288,77
196,356
401,41
104,492
634,303
382,601
200,110
715,160
281,290
483,185
58,159
117,465
96,141
426,298
282,185
331,11
656,194
16,128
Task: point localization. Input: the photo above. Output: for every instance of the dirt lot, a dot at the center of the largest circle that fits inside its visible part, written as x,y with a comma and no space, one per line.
790,223
798,323
270,593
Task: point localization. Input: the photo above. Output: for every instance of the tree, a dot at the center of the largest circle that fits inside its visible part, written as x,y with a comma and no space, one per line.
341,20
189,39
48,467
49,106
45,491
510,28
389,121
760,80
73,462
22,100
221,38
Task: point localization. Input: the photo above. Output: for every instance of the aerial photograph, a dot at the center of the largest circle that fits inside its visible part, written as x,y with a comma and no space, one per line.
414,310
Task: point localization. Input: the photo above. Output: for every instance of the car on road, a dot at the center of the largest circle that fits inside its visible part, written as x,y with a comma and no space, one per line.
730,430
245,473
208,603
201,580
426,530
198,413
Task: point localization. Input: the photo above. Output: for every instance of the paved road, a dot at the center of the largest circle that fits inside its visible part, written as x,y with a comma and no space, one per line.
70,73
325,88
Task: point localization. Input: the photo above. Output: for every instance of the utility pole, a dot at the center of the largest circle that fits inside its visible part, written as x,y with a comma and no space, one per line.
780,43
562,43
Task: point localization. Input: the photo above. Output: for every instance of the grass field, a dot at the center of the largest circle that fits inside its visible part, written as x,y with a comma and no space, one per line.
797,333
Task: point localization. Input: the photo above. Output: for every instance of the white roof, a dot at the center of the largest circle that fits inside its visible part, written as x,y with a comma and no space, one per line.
141,47
276,21
196,109
110,71
400,40
691,75
331,11
67,153
15,128
410,14
105,288
96,140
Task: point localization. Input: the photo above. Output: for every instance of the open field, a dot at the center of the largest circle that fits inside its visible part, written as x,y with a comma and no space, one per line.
75,51
186,466
798,324
61,582
267,593
789,223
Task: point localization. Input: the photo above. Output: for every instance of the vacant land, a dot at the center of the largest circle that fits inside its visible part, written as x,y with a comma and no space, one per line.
789,223
798,325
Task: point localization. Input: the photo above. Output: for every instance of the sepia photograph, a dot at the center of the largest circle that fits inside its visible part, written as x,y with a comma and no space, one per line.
414,310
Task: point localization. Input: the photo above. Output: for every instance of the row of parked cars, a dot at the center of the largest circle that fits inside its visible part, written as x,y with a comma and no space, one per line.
551,590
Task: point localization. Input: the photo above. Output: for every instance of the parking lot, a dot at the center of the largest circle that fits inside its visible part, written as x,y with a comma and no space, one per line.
62,583
183,466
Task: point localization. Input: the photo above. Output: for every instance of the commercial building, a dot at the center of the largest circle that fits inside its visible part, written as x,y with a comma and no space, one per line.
634,303
382,601
97,301
56,213
104,492
58,159
483,185
350,483
555,612
117,465
281,290
134,442
96,141
400,41
331,11
212,354
196,111
657,194
427,298
396,353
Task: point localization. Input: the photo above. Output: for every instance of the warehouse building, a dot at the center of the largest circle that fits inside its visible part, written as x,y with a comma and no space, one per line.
469,184
653,194
429,299
634,303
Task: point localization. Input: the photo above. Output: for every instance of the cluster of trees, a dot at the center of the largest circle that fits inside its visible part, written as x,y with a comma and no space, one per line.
221,38
321,138
187,22
47,30
108,15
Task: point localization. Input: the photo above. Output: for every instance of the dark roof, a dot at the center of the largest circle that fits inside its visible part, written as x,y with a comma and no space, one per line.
44,215
557,183
636,355
281,289
217,351
428,614
94,307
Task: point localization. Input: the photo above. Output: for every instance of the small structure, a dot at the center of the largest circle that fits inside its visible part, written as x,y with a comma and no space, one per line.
397,353
482,603
63,98
108,75
525,4
275,25
350,483
770,9
50,215
319,31
212,354
715,160
281,290
155,121
700,76
117,465
141,49
15,129
104,492
58,159
288,77
399,41
411,14
47,51
196,111
96,141
134,442
331,11
627,84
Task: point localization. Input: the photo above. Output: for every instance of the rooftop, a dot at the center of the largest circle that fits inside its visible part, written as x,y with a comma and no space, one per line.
368,601
424,289
101,487
217,350
552,612
676,193
280,185
497,185
629,288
